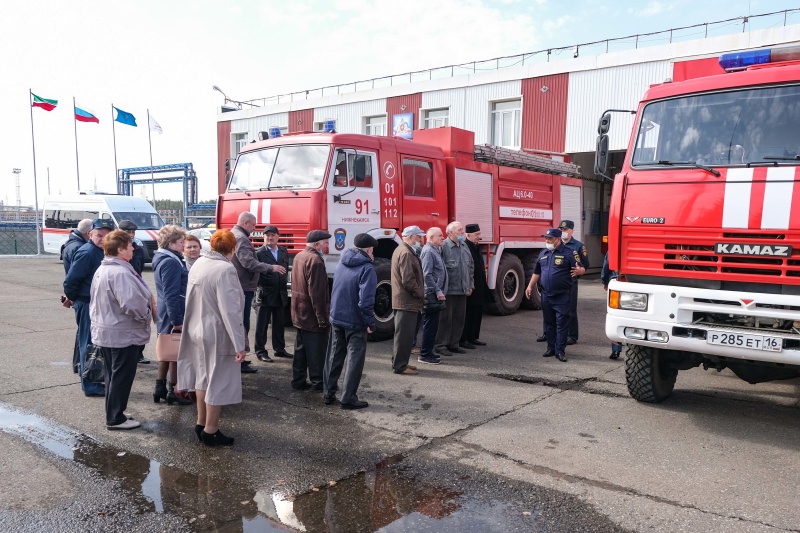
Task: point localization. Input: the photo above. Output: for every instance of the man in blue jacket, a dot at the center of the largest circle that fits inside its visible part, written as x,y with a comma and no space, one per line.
77,287
352,319
76,239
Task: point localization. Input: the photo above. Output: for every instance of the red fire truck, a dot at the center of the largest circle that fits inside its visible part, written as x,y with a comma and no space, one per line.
704,229
349,184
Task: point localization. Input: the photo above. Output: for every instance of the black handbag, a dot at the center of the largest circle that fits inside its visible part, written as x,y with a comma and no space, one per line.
94,369
433,304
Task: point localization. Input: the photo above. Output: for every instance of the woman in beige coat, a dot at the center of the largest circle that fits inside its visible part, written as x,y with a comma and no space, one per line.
212,343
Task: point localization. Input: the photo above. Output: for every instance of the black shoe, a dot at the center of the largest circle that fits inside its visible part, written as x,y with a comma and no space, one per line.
548,353
160,392
174,398
215,439
456,350
541,338
143,361
246,362
264,357
476,342
303,386
329,401
199,429
430,360
441,353
614,355
248,369
561,357
571,341
284,354
358,404
466,344
317,388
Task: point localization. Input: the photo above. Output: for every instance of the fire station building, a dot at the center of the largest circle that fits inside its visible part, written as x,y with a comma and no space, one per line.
550,104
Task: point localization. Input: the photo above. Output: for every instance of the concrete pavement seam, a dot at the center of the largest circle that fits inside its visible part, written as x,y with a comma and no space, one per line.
34,390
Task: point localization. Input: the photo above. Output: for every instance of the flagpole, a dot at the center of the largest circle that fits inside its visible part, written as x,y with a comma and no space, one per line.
35,185
150,143
114,133
77,164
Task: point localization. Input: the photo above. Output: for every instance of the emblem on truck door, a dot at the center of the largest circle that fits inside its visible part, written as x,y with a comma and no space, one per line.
339,238
728,248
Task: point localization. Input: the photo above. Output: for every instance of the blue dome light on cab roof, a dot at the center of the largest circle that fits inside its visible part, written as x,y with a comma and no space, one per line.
274,132
741,60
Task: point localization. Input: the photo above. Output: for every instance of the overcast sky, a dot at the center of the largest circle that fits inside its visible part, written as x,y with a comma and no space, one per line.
166,55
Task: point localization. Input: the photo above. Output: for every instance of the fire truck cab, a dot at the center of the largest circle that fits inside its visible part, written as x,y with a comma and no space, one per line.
704,228
350,183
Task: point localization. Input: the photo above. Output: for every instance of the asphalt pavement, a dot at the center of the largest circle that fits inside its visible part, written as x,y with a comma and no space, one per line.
498,439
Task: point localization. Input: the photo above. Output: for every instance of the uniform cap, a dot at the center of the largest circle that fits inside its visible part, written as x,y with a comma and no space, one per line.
411,231
365,240
567,224
103,223
128,225
553,232
472,228
271,229
317,235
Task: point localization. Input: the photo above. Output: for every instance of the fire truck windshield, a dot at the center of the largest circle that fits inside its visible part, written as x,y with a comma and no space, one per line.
729,128
282,167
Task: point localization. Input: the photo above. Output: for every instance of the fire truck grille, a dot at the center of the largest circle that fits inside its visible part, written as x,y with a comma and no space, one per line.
292,236
698,257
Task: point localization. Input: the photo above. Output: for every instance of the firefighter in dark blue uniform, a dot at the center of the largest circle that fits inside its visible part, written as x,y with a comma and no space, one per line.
567,227
557,266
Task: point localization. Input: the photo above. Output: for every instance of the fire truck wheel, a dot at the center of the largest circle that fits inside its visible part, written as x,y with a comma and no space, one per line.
648,379
384,314
510,287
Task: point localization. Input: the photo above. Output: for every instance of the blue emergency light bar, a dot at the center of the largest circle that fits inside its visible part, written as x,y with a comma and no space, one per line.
274,132
741,60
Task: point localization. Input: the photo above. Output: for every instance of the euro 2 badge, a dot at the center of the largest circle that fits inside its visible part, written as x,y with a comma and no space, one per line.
339,238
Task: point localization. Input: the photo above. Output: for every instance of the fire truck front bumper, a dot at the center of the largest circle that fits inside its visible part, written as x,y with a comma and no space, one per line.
735,325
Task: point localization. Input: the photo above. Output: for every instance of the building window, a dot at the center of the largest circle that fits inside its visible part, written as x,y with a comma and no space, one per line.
239,142
375,125
437,118
417,177
507,123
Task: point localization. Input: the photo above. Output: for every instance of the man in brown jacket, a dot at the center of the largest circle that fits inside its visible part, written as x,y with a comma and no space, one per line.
408,293
311,307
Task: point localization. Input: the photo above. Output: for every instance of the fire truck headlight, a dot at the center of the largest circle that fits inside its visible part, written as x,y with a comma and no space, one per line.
630,301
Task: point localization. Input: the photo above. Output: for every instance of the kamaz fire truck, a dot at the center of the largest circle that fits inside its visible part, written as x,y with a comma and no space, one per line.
704,227
349,184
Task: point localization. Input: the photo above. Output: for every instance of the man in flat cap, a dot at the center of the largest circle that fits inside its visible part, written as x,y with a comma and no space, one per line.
271,297
352,319
249,270
311,307
567,228
77,288
408,297
470,337
556,267
138,259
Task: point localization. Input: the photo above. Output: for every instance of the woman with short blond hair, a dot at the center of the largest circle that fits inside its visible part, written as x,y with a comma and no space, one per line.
170,275
120,311
212,346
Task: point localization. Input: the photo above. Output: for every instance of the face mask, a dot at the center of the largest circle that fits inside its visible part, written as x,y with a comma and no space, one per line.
550,246
460,238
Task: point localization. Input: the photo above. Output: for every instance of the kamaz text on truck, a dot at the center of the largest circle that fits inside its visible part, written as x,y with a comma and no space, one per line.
348,184
704,226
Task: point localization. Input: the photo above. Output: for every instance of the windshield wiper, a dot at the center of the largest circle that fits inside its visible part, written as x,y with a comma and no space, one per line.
782,158
695,164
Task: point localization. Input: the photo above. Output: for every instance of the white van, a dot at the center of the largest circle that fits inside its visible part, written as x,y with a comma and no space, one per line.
62,214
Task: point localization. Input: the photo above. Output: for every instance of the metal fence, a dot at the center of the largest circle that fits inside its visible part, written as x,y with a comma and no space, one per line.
19,238
630,42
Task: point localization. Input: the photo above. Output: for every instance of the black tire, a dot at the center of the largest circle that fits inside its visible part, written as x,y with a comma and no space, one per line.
535,301
384,313
647,377
510,287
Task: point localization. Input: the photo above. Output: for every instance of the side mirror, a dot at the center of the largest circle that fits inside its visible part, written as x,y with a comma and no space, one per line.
229,170
360,168
605,124
601,156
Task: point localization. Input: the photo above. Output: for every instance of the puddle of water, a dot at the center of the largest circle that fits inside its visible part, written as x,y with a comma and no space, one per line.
208,503
382,499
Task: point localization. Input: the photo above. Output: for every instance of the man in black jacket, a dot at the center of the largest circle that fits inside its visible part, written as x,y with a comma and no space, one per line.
470,337
77,287
272,297
138,259
77,238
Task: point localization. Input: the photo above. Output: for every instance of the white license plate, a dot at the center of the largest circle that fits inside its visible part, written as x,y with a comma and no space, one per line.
744,340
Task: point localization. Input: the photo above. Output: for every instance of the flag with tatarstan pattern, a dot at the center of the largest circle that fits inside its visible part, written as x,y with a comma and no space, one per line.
44,103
